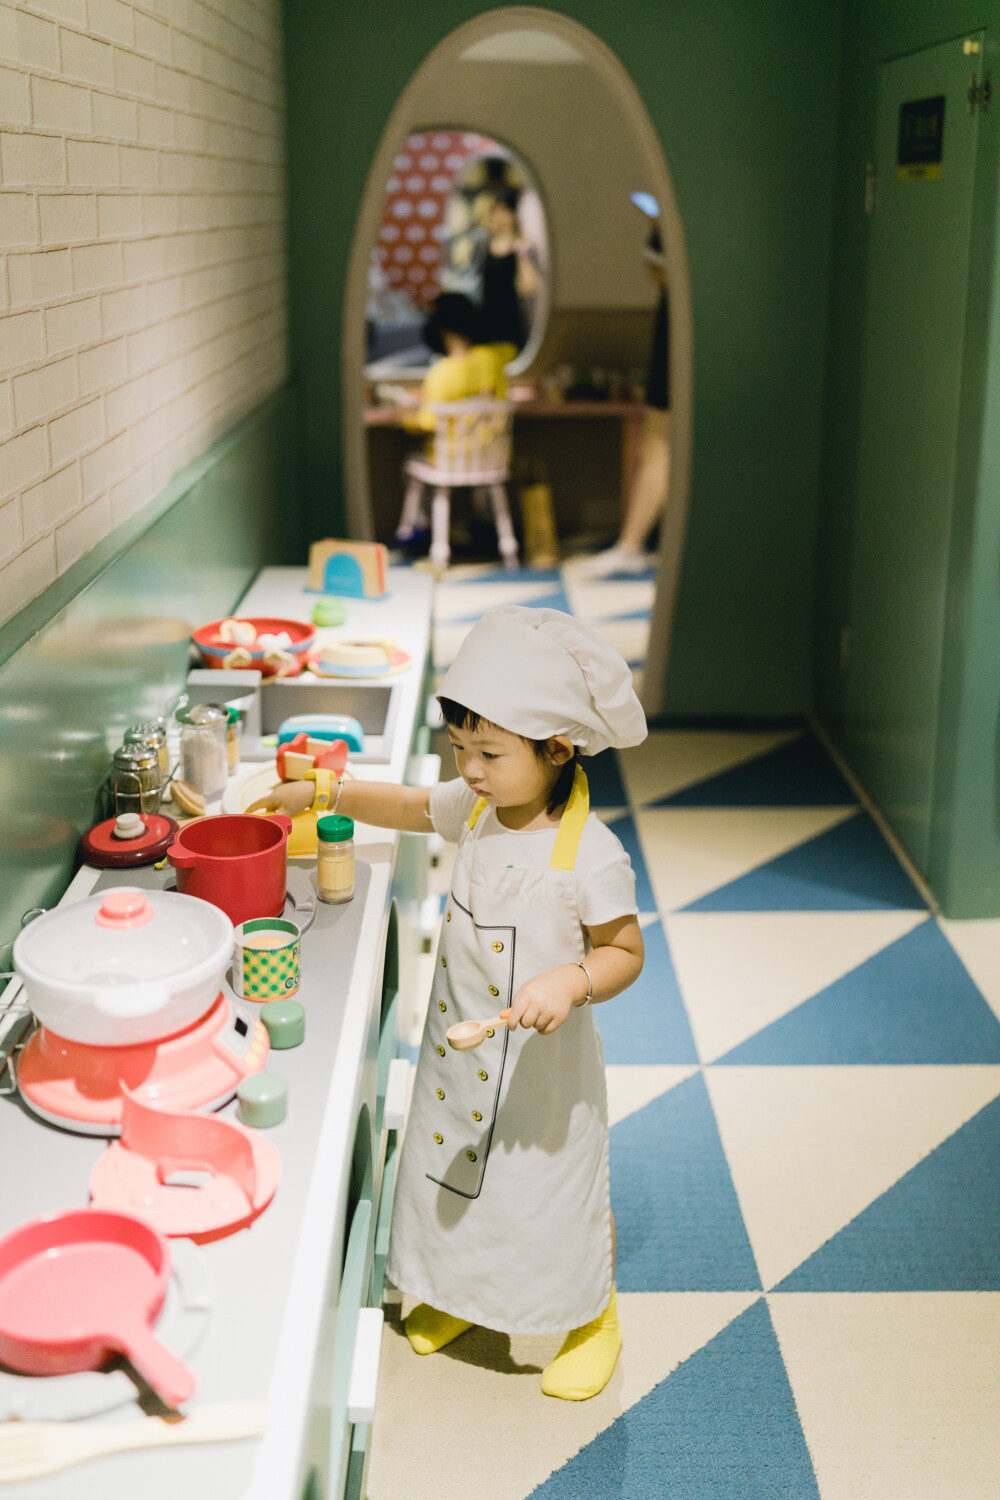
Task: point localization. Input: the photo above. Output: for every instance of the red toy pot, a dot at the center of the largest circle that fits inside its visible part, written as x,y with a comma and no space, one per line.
236,862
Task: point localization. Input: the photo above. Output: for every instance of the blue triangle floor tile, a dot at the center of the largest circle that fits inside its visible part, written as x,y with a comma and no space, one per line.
913,1002
722,1426
648,575
624,829
500,574
631,614
647,1023
797,774
678,1220
604,777
556,600
936,1230
848,868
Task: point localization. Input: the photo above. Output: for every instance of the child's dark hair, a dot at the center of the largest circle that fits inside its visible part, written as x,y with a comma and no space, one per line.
451,313
460,717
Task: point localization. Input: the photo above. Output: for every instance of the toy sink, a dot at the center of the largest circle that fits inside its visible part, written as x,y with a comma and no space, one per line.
375,706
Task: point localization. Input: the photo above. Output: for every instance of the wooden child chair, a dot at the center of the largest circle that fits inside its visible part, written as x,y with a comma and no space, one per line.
470,446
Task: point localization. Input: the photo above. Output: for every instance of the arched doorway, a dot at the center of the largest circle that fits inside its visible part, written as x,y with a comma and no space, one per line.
534,35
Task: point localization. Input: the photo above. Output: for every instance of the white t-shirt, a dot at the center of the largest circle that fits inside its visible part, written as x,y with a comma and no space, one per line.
605,882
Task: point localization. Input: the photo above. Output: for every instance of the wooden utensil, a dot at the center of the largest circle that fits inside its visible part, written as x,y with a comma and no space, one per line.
468,1034
28,1449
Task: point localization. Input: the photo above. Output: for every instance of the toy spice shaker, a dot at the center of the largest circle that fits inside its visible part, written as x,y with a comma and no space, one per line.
335,858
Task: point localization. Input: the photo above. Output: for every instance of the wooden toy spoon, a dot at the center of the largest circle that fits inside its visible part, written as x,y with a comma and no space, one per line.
468,1034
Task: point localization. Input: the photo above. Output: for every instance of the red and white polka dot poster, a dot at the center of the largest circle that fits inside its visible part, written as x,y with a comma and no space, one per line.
413,218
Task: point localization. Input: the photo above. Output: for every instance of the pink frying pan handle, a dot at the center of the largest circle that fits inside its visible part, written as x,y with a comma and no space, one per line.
170,1378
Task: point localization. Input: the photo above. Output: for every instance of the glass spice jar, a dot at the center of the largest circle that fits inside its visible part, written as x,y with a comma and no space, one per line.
335,858
135,784
151,732
204,764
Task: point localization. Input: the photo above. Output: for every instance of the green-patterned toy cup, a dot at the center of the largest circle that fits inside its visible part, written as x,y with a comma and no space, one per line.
266,959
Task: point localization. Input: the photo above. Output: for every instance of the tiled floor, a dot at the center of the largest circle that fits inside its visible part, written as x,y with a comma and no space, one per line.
804,1090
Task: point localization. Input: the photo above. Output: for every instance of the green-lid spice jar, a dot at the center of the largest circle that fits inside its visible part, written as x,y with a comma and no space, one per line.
335,858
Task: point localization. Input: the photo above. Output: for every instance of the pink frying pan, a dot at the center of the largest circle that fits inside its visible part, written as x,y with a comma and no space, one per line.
79,1286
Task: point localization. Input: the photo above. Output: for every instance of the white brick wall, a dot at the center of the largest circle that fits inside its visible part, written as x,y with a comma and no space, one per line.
142,301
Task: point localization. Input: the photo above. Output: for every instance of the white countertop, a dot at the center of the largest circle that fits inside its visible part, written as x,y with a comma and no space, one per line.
278,1272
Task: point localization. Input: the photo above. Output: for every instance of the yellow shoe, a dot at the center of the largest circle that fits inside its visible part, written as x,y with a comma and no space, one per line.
587,1359
429,1330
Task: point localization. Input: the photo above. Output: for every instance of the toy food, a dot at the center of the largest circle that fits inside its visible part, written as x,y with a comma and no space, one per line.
303,754
188,800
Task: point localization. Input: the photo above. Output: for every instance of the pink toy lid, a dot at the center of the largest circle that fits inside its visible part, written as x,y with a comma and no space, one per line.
124,909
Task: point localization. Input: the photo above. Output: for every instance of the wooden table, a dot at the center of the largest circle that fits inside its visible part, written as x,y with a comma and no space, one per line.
628,413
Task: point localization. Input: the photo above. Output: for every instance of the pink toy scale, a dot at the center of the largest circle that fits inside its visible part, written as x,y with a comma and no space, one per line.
156,1145
79,1286
80,1086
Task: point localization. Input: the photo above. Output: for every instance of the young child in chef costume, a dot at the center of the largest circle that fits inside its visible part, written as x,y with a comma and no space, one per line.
502,1213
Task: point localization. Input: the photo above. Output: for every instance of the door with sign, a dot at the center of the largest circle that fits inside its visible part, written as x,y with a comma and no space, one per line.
926,129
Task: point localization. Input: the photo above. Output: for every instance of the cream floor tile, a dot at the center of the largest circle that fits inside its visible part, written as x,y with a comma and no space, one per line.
453,601
447,640
628,637
809,1148
739,971
978,946
471,1423
632,1086
671,759
593,600
898,1393
690,851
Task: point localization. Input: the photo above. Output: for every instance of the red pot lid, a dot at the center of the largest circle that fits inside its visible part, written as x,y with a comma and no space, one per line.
101,847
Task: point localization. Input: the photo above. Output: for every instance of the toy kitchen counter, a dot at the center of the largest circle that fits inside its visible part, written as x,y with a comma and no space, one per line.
284,1312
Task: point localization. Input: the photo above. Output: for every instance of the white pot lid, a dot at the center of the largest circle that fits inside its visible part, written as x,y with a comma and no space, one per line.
122,936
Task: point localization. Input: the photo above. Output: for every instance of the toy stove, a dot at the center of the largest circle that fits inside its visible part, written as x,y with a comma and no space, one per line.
78,1086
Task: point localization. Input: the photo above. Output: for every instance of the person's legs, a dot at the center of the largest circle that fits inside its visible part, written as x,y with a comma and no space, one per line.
645,502
649,492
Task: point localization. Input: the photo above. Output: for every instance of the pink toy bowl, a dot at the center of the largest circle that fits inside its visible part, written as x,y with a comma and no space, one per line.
81,1286
214,650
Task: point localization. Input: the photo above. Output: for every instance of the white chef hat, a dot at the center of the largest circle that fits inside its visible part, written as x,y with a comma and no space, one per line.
540,672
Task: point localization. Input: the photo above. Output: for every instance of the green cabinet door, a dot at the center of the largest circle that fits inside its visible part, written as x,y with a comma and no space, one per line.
918,258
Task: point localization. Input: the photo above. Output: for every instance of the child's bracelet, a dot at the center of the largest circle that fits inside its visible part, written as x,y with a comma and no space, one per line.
590,984
340,789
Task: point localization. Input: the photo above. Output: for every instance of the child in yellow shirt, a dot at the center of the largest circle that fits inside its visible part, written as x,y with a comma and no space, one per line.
468,369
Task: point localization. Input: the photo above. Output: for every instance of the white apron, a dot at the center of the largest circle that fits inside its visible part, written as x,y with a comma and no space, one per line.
502,1207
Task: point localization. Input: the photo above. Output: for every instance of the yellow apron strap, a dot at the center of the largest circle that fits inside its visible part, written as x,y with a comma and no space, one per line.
477,812
571,824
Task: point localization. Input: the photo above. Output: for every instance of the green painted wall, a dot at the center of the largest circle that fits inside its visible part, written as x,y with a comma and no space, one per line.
963,867
108,644
744,97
